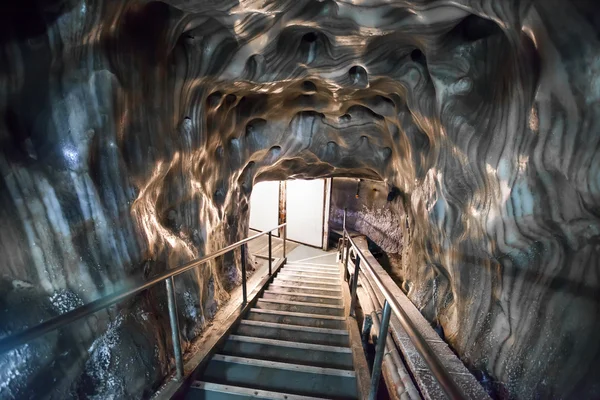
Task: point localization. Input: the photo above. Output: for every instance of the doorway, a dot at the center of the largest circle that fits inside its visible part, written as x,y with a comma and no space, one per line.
264,206
306,209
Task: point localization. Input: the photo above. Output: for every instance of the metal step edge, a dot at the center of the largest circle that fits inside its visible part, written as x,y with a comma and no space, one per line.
248,392
284,274
294,345
300,328
253,362
318,296
296,314
313,259
300,303
310,273
313,271
333,267
309,264
306,287
301,281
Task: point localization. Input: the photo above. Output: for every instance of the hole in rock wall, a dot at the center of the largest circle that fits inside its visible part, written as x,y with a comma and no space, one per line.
255,66
308,46
29,18
213,99
308,87
473,28
417,56
345,118
229,100
310,37
358,76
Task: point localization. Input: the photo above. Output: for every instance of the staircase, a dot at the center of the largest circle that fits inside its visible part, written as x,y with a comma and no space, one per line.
293,344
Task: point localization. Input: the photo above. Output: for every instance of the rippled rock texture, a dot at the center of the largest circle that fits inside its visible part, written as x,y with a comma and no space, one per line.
132,133
371,209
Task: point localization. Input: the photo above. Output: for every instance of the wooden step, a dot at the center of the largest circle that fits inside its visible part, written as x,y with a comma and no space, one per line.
311,264
200,390
332,275
300,307
294,318
281,377
303,297
313,268
308,275
295,333
294,352
305,289
307,282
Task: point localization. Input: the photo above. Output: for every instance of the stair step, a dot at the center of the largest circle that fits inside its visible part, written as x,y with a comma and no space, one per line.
303,276
293,318
300,307
294,345
215,391
311,264
318,274
327,264
277,377
286,351
304,289
319,270
305,297
293,333
310,269
307,282
297,328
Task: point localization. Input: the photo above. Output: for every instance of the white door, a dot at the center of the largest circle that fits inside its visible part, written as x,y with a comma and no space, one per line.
304,211
264,206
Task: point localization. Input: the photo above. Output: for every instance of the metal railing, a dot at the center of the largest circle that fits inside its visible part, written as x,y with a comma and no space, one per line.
11,342
437,369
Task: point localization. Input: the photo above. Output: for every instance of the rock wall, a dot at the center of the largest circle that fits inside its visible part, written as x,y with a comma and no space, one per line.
371,208
132,133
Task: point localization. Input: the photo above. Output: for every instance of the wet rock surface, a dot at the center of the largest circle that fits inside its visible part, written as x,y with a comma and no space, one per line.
132,133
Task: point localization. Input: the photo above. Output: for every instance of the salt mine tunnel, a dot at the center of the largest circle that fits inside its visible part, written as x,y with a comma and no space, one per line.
456,147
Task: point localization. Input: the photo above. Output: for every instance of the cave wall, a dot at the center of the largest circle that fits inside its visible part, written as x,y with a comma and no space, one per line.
372,208
132,133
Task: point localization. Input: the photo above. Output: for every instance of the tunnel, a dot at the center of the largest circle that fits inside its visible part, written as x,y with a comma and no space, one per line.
133,132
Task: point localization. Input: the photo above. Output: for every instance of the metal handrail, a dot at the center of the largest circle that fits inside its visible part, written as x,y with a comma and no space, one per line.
436,367
10,342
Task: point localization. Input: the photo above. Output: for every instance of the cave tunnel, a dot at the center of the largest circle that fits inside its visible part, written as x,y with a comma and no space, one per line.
461,137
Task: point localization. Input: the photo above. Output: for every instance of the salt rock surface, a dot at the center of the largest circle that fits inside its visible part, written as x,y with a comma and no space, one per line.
133,132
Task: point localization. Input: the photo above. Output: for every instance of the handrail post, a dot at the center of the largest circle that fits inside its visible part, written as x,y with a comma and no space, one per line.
244,293
343,249
270,254
344,236
381,339
174,327
347,250
284,238
354,285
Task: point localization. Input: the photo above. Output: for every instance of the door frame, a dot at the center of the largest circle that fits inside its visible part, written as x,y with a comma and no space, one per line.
282,218
326,210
